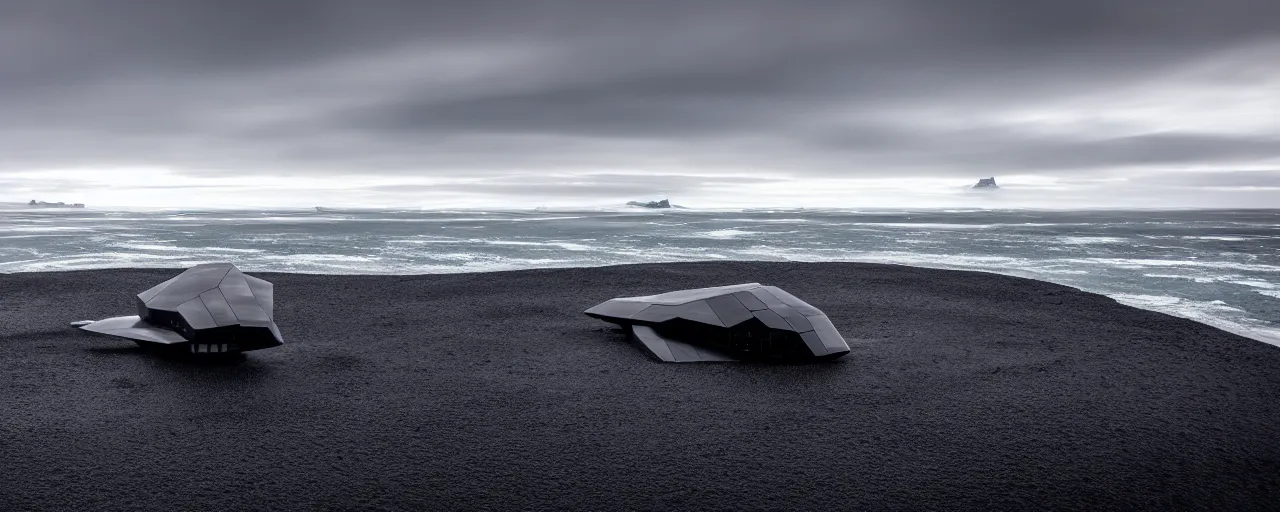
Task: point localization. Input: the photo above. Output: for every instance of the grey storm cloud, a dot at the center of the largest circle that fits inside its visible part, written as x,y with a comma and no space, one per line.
464,88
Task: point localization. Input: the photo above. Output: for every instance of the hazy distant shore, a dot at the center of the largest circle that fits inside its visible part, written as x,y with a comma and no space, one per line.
491,390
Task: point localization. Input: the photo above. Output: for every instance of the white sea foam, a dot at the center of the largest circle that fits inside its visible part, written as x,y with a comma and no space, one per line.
1087,240
1140,263
1198,279
1256,283
1018,266
568,246
725,233
150,247
1216,313
660,255
46,229
451,256
192,251
424,239
229,249
539,219
918,225
44,235
428,220
1168,301
1270,293
1229,278
96,261
769,221
1218,238
513,242
320,258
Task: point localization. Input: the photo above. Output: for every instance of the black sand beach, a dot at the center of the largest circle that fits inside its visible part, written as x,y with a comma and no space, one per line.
492,391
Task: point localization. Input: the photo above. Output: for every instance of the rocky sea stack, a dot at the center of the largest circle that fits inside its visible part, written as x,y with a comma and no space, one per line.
651,204
986,183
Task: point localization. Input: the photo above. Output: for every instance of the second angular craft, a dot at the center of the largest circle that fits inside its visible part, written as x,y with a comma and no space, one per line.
727,323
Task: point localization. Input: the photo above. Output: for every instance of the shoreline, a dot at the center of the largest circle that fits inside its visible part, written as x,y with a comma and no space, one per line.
963,390
1256,334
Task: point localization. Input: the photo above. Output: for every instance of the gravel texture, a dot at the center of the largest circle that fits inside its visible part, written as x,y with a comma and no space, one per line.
964,390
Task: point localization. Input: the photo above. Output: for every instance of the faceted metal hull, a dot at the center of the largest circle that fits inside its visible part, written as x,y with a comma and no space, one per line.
727,323
208,309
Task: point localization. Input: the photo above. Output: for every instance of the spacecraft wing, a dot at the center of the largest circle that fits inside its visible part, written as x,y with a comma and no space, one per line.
134,328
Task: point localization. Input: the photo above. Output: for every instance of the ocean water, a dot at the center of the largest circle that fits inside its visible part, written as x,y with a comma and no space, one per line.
1219,267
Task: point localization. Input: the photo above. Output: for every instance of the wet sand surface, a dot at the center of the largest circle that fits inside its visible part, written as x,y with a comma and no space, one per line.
493,391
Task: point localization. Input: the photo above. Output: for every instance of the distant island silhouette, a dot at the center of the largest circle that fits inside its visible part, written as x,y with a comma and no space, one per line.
42,204
651,204
987,183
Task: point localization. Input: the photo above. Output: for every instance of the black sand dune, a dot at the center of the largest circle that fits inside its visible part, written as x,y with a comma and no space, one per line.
493,391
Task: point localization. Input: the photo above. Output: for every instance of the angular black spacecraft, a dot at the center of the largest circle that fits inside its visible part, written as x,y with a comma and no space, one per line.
726,323
208,309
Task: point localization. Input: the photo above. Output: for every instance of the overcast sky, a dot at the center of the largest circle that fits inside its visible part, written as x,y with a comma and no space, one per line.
588,102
